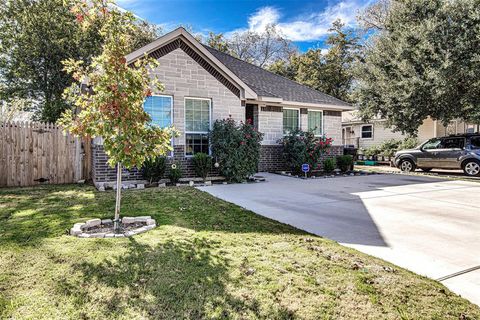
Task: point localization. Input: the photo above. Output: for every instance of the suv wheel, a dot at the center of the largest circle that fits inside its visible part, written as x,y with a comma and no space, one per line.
471,167
407,165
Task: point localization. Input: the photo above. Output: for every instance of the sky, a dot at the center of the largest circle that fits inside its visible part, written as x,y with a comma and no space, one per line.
306,23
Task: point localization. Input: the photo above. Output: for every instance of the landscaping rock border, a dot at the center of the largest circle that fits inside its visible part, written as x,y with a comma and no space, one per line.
130,227
334,175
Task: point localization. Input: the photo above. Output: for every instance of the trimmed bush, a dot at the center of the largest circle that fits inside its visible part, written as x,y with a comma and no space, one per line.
202,164
344,162
153,169
329,164
175,173
236,147
301,147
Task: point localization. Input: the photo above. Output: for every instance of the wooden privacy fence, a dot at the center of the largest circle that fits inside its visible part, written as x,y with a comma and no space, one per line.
33,153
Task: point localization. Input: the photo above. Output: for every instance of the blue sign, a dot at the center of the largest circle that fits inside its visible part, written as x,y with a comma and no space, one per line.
305,167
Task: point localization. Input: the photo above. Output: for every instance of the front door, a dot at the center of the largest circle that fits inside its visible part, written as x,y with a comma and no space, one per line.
249,113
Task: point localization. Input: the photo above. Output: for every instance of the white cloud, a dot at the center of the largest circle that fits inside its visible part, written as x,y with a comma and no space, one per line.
262,18
309,27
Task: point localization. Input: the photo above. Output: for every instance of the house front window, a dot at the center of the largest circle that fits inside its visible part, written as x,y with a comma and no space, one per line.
197,125
367,132
290,120
160,110
315,122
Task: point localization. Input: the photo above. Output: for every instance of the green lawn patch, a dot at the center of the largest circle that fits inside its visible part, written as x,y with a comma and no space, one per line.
206,259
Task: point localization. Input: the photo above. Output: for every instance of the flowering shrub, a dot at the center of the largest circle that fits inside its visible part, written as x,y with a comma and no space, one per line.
236,147
301,147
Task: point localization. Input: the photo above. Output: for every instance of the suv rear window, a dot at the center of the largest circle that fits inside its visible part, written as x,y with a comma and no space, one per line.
475,142
453,143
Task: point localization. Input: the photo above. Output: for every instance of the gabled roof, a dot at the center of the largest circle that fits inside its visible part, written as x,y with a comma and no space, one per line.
256,83
268,84
192,42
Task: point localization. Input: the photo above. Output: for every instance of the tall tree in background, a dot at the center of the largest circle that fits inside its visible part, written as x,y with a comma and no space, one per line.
374,17
218,41
330,71
36,36
424,63
260,48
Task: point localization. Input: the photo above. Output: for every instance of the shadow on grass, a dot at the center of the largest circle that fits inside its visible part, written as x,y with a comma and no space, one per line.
29,215
172,280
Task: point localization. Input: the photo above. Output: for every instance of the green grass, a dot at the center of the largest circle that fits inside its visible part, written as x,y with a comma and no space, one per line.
206,259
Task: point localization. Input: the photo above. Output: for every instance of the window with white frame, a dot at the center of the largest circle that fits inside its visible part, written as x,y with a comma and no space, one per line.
367,131
197,125
290,120
160,110
315,122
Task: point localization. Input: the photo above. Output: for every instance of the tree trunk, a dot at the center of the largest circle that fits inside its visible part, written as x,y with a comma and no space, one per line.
118,198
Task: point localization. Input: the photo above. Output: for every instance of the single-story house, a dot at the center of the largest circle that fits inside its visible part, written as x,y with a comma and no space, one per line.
363,135
203,85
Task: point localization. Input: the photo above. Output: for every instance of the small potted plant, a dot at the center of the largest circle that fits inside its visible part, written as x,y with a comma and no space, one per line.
360,154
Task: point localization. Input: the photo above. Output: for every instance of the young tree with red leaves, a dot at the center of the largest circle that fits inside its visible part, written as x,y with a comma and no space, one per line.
112,107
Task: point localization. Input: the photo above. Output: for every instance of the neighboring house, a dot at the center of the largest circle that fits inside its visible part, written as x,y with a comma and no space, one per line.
203,85
363,135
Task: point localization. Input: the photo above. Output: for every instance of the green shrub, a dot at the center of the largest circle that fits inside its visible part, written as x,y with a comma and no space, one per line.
236,147
372,151
175,173
202,164
408,143
344,162
153,169
301,147
329,164
389,147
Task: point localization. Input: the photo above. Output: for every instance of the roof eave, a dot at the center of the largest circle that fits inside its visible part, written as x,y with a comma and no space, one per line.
325,106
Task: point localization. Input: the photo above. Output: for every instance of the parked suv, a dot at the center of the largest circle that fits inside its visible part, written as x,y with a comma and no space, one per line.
452,152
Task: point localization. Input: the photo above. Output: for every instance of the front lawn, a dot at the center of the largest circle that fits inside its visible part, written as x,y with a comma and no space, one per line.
206,259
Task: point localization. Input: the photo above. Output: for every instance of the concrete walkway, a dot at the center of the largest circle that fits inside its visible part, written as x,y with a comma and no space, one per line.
427,225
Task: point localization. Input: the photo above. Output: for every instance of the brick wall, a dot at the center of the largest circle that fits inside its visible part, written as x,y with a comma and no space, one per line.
271,158
102,172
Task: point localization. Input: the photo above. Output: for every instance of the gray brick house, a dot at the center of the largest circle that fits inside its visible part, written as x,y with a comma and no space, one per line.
203,84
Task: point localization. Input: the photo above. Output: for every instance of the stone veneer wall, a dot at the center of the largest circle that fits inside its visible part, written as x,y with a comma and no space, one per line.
270,123
333,126
182,77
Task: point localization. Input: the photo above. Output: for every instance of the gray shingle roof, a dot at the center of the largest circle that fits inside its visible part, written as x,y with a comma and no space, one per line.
268,84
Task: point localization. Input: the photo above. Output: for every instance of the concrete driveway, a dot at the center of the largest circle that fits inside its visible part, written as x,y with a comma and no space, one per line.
427,225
